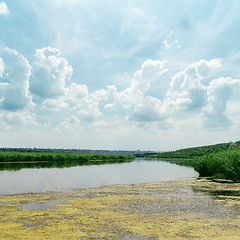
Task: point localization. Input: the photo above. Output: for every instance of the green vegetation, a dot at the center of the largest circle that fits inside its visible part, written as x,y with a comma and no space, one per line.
224,164
215,161
196,151
19,160
45,156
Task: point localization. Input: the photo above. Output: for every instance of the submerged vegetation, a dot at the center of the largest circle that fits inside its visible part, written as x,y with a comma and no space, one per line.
19,160
166,210
215,161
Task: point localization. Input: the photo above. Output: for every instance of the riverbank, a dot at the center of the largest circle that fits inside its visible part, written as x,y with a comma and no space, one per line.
18,160
167,210
219,161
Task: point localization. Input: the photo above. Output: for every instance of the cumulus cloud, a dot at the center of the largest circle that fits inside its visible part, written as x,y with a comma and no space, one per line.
129,96
48,81
140,84
78,99
150,70
194,90
197,91
149,110
19,120
135,98
187,91
55,104
49,74
85,104
71,123
218,92
15,81
3,8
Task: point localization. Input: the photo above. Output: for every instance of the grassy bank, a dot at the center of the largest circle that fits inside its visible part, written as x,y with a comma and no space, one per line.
44,156
224,164
196,151
19,160
216,161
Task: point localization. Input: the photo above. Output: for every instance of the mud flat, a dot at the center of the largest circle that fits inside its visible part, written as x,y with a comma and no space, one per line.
195,209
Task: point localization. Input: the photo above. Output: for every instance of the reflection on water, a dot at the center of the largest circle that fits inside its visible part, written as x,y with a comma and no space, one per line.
67,179
40,206
15,166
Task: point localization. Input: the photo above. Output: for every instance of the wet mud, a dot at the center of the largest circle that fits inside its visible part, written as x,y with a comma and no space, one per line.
198,209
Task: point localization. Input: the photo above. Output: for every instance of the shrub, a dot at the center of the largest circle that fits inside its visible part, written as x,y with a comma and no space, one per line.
225,164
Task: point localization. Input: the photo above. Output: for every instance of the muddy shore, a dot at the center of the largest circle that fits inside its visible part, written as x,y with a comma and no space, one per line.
197,209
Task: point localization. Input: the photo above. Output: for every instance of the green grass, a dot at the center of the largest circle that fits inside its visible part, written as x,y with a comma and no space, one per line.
45,156
19,160
225,164
195,151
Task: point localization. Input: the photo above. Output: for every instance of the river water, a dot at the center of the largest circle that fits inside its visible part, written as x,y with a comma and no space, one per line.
68,179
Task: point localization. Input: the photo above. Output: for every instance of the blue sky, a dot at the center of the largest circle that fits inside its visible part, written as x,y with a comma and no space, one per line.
149,75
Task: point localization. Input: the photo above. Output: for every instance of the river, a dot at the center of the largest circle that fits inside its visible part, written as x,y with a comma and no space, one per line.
68,179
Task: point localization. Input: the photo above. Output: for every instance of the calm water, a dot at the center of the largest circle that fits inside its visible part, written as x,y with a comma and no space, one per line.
68,179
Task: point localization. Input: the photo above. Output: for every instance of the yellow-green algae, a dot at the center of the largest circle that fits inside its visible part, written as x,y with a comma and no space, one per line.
166,210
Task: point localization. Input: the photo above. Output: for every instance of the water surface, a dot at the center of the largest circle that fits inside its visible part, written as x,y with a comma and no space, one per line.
68,179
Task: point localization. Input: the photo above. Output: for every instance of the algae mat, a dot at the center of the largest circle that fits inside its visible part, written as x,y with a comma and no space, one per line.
197,209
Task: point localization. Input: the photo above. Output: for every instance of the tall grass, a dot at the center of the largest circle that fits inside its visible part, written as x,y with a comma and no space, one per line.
54,157
224,164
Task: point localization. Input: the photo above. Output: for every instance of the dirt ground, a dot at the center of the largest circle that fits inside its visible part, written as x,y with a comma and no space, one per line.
198,209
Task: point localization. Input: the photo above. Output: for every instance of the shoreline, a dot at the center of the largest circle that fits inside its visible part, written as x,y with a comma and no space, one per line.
182,209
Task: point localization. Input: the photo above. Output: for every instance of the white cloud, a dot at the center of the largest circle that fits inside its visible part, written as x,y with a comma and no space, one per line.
150,71
85,104
78,100
99,125
193,90
166,44
13,119
55,104
129,96
169,44
219,92
170,41
110,106
205,67
71,123
135,98
19,120
187,91
3,8
50,71
15,84
149,110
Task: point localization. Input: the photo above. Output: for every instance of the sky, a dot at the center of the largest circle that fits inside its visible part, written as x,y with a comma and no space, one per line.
119,74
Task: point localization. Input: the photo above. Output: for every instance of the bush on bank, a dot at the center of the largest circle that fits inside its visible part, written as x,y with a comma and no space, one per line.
225,164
